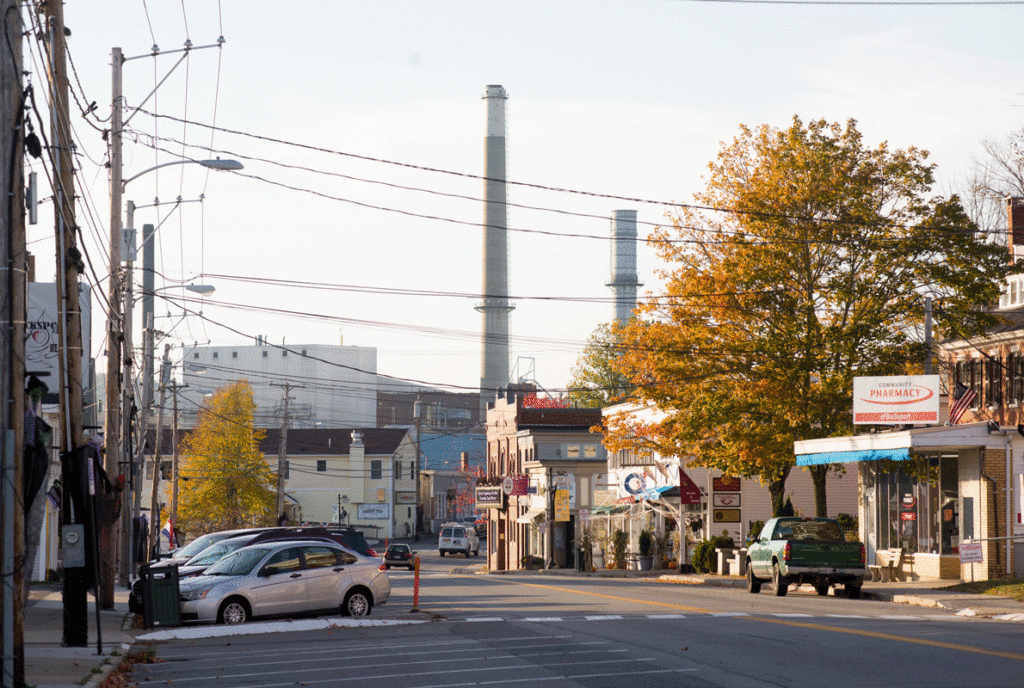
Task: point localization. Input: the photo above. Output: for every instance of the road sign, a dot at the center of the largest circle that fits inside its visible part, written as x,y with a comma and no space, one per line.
689,493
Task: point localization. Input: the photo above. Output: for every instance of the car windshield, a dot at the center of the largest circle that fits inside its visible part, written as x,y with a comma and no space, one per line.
213,553
238,563
822,531
196,546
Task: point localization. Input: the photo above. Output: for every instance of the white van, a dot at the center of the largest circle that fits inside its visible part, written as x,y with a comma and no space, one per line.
456,537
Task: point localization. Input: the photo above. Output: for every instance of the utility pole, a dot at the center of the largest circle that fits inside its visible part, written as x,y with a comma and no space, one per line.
76,622
174,452
115,325
12,352
282,451
154,507
417,413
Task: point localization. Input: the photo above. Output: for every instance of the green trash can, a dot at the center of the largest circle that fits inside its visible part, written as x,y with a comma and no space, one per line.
160,604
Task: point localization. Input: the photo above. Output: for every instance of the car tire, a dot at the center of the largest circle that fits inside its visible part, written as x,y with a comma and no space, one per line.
852,591
356,604
412,567
753,582
387,567
476,553
234,611
467,552
821,589
441,552
780,582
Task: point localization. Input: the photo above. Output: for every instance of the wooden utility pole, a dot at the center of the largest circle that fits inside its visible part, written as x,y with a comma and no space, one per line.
174,452
12,351
282,451
70,322
154,507
115,325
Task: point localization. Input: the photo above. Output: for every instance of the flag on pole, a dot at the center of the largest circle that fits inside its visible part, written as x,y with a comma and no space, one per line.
963,397
168,532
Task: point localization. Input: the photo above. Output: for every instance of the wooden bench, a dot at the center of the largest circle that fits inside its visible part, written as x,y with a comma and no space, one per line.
887,564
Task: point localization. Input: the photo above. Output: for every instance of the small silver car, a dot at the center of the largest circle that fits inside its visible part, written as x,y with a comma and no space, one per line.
282,579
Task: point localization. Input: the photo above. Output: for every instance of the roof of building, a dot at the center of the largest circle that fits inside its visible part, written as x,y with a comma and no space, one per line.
333,441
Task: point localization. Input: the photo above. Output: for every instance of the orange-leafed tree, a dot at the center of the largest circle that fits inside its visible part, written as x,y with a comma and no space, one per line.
806,262
226,481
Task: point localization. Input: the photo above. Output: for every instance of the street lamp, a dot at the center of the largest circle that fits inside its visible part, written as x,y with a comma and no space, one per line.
217,164
117,431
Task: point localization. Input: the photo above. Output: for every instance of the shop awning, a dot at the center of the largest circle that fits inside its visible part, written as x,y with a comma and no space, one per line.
850,456
609,509
531,515
899,445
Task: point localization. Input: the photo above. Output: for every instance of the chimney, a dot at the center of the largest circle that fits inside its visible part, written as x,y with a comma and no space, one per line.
624,282
1015,227
494,310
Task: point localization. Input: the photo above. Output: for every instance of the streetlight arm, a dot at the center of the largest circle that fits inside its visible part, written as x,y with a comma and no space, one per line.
217,164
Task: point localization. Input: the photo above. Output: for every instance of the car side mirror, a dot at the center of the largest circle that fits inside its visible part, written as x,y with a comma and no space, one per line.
751,538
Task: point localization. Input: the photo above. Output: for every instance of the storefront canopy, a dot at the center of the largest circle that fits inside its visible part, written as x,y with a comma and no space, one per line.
897,446
531,515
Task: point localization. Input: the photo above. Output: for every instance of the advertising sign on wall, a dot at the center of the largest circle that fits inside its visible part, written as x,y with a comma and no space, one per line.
896,400
373,512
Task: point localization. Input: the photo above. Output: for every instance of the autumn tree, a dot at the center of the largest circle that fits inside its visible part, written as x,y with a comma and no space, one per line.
596,382
226,481
806,262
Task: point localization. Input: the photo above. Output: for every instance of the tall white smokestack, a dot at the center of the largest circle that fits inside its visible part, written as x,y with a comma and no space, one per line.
494,356
624,281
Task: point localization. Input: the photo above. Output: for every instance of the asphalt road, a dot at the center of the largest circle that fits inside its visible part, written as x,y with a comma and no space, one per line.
477,630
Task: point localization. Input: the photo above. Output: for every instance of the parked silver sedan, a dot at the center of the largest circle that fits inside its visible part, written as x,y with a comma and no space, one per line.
283,579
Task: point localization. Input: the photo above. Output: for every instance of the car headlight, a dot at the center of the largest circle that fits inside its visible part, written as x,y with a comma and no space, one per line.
197,594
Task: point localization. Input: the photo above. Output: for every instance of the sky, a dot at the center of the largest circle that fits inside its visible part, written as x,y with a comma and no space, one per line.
361,127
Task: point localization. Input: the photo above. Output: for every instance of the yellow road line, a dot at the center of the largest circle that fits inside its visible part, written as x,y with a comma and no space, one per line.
797,624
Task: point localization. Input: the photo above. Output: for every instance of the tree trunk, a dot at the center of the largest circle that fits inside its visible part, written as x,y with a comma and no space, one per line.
777,491
818,474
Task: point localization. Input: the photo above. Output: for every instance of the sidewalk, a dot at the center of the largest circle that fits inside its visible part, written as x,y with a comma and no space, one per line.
49,665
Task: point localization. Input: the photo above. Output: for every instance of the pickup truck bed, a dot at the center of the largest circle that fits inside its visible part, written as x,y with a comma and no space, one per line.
805,550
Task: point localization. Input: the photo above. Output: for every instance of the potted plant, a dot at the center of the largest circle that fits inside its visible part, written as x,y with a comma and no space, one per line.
646,550
532,563
619,542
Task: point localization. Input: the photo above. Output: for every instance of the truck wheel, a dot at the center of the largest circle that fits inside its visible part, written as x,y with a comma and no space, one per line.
753,583
852,591
821,588
780,582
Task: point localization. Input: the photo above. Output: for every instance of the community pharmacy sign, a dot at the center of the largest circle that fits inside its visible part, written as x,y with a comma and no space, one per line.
899,400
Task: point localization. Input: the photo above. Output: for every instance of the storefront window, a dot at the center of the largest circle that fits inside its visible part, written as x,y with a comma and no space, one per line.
917,505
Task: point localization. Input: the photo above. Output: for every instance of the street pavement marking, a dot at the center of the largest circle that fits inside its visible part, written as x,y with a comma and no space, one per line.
797,624
667,605
603,617
795,616
485,618
543,618
666,616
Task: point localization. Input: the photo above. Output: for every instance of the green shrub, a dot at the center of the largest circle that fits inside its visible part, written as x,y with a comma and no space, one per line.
846,521
704,558
645,543
619,542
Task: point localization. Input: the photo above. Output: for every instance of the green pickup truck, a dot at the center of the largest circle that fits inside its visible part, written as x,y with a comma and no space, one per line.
804,550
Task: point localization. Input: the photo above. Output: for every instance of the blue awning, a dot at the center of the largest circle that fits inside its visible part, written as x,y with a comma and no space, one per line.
900,454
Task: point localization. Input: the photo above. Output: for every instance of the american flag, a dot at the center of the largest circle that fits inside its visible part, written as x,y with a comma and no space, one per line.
963,397
168,532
